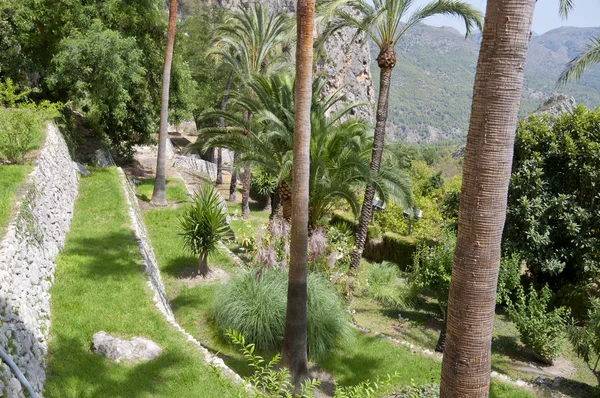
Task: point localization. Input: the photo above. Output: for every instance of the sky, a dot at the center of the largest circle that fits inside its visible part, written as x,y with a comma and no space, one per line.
585,14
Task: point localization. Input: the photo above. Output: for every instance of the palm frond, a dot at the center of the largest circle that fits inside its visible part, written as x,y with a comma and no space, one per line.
578,65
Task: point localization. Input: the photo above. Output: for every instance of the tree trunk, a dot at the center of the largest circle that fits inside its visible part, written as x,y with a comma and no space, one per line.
441,343
222,125
233,184
285,193
246,176
203,269
487,165
159,194
294,352
275,204
269,204
386,61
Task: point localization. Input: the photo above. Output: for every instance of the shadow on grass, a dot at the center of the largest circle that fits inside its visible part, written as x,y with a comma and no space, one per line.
105,255
85,373
179,265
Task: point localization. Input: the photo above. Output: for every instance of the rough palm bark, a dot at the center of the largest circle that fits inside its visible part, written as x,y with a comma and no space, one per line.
233,183
294,351
159,195
386,61
486,172
222,125
275,204
246,179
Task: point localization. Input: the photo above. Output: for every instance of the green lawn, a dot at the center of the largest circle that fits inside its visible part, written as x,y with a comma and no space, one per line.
99,285
11,176
176,191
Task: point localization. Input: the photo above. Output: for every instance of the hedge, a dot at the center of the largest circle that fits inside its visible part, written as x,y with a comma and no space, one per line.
392,247
338,217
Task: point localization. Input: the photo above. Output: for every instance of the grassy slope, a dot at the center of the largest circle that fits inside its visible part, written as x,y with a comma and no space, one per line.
11,176
365,357
99,286
176,191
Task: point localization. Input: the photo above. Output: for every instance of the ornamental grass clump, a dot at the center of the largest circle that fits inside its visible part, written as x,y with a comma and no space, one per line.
255,306
203,225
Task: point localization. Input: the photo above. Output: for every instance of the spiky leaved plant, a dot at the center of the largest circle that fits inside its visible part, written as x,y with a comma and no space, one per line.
203,225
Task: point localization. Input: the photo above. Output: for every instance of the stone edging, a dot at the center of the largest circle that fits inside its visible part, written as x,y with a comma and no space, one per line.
28,248
156,284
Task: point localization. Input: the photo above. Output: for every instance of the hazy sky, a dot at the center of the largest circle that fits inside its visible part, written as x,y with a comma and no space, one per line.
545,18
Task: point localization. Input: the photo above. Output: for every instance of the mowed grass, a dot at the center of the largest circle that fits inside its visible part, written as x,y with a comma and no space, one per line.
176,191
99,285
11,177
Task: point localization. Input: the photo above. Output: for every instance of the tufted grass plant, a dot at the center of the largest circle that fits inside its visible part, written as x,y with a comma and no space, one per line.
256,306
384,285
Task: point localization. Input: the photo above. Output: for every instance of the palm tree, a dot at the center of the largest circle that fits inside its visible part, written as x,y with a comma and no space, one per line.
294,353
486,173
159,196
251,42
339,148
222,125
382,22
588,58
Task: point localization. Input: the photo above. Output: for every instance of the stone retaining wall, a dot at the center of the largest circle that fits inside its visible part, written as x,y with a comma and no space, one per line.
27,252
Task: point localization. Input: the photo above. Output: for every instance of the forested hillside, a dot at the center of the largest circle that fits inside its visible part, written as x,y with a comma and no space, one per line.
430,96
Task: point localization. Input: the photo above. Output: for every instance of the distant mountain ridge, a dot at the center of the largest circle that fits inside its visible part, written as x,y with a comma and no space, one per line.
430,96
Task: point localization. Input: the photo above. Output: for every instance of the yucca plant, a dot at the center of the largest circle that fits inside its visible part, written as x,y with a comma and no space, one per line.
203,225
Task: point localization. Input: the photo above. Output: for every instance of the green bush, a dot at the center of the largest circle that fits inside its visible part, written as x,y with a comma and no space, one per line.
586,338
540,328
21,131
255,306
383,285
348,221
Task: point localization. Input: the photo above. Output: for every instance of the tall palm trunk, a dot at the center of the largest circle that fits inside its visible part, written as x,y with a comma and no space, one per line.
246,178
159,195
486,173
386,61
222,125
233,183
294,352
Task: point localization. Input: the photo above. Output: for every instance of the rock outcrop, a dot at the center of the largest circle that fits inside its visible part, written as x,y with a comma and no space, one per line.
136,349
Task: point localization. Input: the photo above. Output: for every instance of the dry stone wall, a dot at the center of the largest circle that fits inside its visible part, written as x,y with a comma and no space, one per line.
27,252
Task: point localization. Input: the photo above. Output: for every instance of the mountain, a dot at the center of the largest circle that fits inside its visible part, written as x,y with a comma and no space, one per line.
431,88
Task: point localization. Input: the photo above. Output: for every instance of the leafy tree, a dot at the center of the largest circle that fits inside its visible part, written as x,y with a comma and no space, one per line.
203,225
553,209
382,22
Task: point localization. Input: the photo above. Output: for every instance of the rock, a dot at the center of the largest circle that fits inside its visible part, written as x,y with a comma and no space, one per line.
556,105
80,169
136,349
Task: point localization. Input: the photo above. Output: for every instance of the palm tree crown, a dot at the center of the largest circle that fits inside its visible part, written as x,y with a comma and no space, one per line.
383,22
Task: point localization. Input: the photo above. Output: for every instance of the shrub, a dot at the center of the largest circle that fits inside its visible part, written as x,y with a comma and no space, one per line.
586,339
370,388
256,305
203,225
540,329
21,131
383,285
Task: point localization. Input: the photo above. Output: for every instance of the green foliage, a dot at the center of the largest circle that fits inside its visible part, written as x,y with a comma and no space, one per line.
255,305
203,224
22,129
263,183
553,212
586,338
432,269
11,94
368,389
274,381
383,286
541,329
509,277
